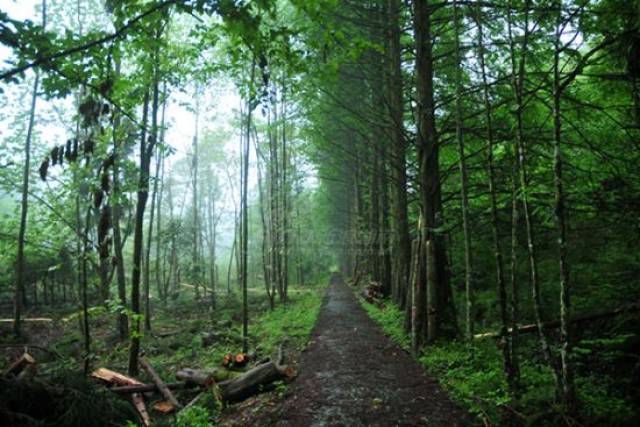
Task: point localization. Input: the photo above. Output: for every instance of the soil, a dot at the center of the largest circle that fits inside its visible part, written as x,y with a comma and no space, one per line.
351,374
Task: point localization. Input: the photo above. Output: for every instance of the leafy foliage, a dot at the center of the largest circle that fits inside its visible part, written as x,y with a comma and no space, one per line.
196,416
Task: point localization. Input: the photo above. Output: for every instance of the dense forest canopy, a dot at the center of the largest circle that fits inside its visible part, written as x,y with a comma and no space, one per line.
469,167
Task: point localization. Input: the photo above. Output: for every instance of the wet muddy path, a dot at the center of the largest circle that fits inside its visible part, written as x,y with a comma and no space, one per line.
353,375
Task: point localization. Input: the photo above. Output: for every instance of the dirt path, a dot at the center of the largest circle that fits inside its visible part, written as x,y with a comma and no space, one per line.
353,375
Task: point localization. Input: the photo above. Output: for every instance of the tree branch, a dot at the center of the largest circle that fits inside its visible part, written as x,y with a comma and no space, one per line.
118,33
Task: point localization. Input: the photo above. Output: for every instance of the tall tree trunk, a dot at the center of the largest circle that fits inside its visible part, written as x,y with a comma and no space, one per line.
468,260
355,215
104,265
508,346
138,236
265,230
379,199
273,197
245,219
432,292
412,322
568,387
154,135
401,240
384,226
85,299
160,191
374,212
213,250
196,218
299,258
168,259
174,267
116,212
118,245
429,166
276,177
147,249
518,81
24,204
284,191
122,322
233,251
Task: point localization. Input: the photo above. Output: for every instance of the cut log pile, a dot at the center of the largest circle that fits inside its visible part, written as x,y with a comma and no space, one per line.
237,361
227,383
372,293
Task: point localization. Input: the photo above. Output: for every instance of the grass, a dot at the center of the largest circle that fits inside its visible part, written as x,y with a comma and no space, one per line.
391,319
292,321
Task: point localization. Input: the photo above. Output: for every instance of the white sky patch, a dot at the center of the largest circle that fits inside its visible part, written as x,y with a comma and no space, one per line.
54,119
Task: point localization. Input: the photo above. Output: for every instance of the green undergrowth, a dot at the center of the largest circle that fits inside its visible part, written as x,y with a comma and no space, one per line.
391,319
473,376
291,322
288,323
67,399
176,342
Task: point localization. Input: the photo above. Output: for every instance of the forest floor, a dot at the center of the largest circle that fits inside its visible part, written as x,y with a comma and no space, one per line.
352,374
176,342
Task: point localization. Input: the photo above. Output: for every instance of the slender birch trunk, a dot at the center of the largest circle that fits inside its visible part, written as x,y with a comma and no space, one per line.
518,80
568,386
509,356
138,236
24,204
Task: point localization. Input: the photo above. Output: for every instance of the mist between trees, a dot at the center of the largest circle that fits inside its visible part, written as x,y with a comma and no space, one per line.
473,163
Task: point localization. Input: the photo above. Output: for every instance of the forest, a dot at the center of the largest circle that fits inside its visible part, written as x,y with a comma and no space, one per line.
319,212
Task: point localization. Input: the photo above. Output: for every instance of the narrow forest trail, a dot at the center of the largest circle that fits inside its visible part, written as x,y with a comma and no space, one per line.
353,375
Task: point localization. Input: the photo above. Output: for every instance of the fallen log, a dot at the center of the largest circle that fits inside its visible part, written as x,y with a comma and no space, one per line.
19,364
32,319
253,380
112,377
241,385
525,329
138,402
195,376
166,392
204,377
